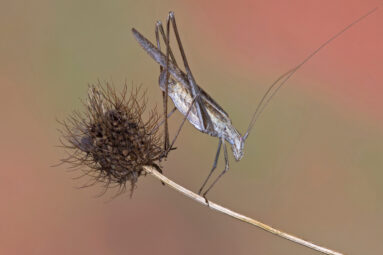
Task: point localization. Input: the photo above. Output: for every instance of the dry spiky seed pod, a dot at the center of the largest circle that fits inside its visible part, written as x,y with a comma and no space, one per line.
110,142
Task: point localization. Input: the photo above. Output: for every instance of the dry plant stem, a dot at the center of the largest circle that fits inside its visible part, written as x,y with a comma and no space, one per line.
238,216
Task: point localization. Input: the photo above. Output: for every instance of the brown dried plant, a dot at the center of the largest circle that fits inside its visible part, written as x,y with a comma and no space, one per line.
110,141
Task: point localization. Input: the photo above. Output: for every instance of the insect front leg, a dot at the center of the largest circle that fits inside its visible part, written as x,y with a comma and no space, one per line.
224,170
204,118
214,165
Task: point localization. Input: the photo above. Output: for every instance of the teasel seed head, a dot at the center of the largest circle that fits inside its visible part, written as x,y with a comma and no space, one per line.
111,142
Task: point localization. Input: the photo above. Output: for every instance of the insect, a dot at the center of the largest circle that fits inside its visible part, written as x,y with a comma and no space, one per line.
196,105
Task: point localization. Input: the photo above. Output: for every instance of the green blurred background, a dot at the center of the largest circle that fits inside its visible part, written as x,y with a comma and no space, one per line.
312,166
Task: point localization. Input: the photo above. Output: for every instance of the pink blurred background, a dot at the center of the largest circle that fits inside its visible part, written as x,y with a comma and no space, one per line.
312,166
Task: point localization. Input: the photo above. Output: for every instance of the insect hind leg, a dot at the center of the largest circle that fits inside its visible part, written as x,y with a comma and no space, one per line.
204,118
164,81
160,30
164,93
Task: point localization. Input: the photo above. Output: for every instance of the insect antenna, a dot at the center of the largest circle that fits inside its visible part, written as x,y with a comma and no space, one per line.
273,88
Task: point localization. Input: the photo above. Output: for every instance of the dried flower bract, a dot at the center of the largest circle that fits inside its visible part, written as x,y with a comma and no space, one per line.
110,142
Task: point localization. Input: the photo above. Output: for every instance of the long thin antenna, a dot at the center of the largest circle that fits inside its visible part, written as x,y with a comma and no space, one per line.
284,77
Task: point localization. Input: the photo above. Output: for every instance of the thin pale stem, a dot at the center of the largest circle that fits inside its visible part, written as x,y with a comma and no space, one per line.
237,216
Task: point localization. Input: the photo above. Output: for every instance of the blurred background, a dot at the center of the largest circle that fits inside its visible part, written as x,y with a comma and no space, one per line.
312,166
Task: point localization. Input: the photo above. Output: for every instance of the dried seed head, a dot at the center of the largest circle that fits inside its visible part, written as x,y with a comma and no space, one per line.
111,139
